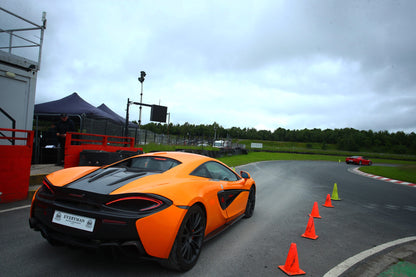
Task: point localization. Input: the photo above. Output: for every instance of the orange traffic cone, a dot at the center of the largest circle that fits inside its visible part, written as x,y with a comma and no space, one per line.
291,266
328,202
310,230
315,211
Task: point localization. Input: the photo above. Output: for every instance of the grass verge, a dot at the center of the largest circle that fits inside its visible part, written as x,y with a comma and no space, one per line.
405,171
252,157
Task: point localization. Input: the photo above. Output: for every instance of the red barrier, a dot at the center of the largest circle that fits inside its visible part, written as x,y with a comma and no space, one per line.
15,162
74,146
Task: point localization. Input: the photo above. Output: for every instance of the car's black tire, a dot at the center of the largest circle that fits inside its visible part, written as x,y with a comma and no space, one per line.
251,203
188,242
360,163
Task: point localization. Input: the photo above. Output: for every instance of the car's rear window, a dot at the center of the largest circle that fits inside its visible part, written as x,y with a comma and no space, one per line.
159,164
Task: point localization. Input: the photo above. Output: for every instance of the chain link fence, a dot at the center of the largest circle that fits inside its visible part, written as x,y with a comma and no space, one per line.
141,136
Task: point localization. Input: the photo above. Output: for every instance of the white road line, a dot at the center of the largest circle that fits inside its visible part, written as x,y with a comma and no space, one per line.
348,263
14,209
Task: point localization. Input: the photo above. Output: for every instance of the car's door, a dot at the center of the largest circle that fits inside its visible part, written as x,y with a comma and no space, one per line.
232,197
216,215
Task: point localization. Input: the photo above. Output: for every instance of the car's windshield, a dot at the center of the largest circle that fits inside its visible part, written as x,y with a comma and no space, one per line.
160,164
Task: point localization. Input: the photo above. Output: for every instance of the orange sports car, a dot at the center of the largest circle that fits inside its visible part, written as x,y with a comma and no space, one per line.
160,205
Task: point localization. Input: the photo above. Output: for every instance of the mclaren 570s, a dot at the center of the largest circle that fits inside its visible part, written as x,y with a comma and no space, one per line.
160,206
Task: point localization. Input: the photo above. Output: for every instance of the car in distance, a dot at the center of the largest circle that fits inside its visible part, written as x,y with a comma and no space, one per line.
360,160
161,205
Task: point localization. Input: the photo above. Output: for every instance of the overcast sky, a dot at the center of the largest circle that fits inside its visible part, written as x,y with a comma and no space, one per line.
260,64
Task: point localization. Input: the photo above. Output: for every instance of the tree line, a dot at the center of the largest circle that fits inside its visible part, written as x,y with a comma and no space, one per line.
348,139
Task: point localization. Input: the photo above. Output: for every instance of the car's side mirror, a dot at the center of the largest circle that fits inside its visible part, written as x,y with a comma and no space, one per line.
245,174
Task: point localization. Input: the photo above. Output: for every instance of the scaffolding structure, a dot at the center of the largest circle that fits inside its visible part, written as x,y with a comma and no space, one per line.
19,38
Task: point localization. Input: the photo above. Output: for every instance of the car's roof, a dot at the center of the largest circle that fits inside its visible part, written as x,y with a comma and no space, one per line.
183,157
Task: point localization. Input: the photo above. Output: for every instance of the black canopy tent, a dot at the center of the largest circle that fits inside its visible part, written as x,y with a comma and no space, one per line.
120,119
72,105
75,107
103,107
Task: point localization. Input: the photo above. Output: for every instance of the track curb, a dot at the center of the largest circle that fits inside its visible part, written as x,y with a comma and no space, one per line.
356,170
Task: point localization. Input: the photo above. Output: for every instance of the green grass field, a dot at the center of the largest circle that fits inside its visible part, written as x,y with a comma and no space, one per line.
403,171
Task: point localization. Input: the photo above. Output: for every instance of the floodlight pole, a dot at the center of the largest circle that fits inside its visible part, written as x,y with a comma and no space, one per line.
141,80
126,128
168,127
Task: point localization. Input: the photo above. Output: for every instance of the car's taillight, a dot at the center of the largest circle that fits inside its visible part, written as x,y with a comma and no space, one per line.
46,189
136,203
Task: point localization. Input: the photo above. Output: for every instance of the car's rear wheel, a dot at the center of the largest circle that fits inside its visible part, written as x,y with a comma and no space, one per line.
188,242
251,202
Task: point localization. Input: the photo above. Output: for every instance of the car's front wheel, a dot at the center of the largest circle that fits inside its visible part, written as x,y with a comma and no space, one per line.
251,202
188,242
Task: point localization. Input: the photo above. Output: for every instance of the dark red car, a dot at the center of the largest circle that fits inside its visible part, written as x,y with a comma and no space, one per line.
360,160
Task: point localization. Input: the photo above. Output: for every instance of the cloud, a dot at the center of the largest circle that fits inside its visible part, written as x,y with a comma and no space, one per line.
263,64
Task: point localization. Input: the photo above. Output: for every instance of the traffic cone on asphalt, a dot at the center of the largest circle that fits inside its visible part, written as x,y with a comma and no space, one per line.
335,193
291,267
328,202
315,211
310,230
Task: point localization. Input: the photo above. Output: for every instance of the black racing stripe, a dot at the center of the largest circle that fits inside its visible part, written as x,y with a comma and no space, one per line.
107,180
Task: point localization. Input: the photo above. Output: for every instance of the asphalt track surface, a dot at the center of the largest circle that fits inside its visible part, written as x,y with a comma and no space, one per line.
371,213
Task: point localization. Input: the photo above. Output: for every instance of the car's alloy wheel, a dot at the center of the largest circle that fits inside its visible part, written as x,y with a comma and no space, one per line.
188,242
251,202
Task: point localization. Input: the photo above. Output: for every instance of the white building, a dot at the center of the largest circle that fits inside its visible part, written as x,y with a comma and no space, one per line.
18,73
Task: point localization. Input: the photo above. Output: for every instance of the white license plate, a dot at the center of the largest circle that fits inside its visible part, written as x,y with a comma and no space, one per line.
74,221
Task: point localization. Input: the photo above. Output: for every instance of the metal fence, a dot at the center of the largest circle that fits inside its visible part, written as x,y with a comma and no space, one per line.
46,148
142,137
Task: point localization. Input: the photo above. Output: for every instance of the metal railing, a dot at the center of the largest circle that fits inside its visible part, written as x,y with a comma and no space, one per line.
19,33
13,125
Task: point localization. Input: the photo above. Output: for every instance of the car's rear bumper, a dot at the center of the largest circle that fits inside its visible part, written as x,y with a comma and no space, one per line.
150,235
129,247
108,232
